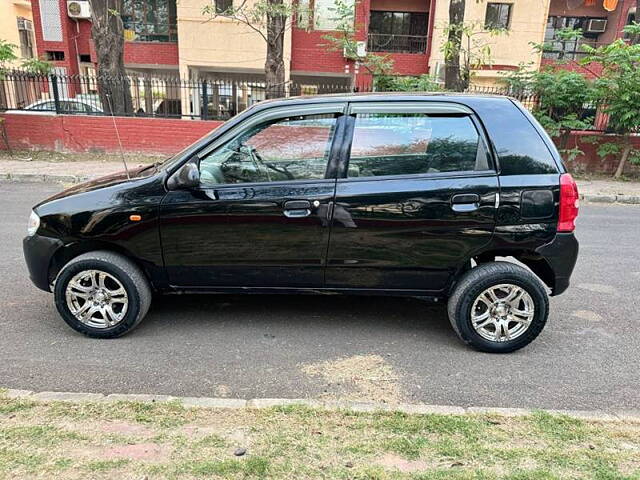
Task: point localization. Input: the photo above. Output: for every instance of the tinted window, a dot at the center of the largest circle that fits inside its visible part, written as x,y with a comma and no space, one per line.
406,144
520,148
44,106
73,107
295,148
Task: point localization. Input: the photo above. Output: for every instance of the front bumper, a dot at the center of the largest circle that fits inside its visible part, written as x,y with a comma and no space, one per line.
561,255
38,251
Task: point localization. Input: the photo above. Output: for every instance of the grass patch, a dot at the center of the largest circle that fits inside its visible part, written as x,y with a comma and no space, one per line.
67,441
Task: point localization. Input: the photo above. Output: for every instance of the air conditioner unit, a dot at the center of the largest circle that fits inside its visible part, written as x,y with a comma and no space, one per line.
361,50
596,25
24,24
79,9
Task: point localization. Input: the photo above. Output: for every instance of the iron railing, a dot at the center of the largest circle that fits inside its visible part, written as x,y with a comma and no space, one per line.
381,42
209,98
563,50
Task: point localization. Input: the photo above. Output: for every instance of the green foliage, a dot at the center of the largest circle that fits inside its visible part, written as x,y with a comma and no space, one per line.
474,50
37,66
562,96
7,54
422,83
342,39
618,87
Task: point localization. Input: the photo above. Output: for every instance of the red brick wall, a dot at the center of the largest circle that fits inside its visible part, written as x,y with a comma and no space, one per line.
590,162
151,53
79,133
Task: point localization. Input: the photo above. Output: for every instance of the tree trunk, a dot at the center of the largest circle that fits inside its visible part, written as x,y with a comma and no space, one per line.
108,36
452,77
274,64
623,159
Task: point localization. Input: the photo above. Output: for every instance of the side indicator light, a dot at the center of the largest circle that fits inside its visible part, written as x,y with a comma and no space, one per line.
135,218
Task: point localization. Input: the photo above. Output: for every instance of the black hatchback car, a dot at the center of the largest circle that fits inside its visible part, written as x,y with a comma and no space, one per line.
389,194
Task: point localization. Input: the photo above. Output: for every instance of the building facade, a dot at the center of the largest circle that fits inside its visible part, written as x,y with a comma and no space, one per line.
171,38
16,25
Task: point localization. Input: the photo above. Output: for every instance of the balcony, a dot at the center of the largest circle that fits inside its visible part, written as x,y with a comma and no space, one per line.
150,32
567,50
392,43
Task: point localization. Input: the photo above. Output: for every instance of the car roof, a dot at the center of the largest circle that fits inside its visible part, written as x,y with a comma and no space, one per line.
466,99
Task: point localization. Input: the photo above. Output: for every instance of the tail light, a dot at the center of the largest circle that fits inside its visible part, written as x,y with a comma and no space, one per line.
569,203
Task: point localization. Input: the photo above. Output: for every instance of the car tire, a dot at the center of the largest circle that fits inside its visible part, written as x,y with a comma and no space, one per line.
123,288
483,294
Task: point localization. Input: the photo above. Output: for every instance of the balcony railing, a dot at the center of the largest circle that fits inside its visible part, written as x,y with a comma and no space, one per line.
383,42
567,50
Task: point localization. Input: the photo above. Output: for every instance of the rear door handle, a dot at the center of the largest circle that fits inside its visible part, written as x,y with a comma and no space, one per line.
297,208
465,198
465,202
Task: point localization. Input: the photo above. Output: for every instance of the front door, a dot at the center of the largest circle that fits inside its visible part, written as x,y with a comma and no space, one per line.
260,216
416,198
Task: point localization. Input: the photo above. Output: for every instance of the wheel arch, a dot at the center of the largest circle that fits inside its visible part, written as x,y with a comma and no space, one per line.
535,262
65,254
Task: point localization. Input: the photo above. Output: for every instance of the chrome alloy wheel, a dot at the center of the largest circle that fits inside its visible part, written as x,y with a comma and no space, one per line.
502,312
97,299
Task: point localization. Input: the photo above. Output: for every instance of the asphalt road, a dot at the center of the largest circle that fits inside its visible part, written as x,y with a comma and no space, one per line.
247,347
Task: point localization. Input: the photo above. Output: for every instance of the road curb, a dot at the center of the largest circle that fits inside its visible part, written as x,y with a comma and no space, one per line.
260,403
36,177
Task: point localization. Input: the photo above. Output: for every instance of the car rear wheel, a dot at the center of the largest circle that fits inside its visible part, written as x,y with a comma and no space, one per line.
498,307
102,294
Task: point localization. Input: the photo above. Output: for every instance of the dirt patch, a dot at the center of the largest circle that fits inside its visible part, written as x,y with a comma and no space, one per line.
361,378
138,451
124,428
396,462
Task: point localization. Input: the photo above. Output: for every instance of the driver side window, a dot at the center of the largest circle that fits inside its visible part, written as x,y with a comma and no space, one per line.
293,148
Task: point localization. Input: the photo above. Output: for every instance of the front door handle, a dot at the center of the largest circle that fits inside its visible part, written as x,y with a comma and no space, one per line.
465,202
297,208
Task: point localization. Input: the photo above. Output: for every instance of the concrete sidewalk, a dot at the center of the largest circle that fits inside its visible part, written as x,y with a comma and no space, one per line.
20,169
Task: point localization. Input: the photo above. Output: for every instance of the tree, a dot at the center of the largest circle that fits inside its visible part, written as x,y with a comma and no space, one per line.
561,99
468,47
7,55
107,32
343,39
270,19
618,88
453,79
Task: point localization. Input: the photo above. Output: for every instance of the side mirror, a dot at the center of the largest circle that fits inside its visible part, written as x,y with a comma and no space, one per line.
187,176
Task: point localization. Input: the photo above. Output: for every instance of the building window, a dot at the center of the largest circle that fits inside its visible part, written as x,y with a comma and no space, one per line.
326,16
223,5
55,55
149,20
498,16
558,49
631,17
25,30
400,32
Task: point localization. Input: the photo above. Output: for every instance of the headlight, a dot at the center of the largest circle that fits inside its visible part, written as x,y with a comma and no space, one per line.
33,224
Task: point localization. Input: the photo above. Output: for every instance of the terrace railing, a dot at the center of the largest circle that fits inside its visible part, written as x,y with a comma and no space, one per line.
391,43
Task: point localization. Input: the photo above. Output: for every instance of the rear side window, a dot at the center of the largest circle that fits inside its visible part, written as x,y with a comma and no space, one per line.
414,143
520,148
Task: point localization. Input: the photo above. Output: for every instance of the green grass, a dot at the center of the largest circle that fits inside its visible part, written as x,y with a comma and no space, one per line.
68,441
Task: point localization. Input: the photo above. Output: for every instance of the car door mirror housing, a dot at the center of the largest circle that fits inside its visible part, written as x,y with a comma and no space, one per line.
186,177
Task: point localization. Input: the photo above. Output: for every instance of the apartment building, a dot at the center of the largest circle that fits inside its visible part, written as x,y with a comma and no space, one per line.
174,37
16,25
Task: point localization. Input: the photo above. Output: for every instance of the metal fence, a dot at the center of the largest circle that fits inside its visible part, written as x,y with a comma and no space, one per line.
391,43
207,98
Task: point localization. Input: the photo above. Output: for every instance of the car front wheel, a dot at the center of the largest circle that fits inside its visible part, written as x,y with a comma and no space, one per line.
498,307
102,294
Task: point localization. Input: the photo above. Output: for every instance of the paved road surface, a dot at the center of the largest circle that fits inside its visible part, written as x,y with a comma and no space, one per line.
587,357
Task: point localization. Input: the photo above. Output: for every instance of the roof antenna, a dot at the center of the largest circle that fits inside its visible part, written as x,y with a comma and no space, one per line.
115,126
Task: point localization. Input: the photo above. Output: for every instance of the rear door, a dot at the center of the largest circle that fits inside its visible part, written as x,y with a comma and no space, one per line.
260,215
415,198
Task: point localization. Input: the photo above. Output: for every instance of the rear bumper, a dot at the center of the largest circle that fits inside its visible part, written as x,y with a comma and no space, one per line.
38,252
561,255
